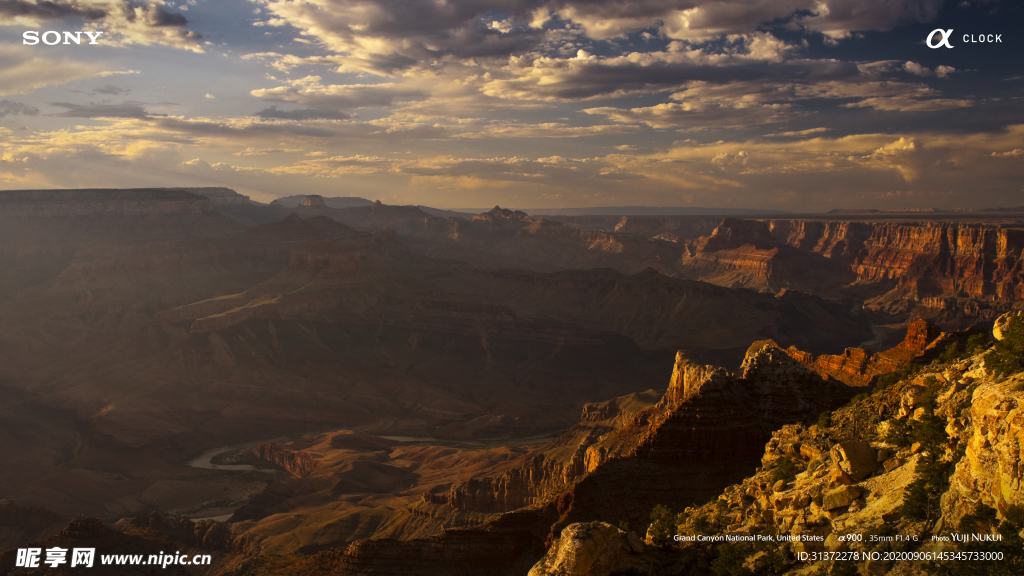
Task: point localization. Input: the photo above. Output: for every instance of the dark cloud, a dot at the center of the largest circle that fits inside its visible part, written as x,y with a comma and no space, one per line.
123,110
152,14
273,113
43,10
160,17
12,108
111,90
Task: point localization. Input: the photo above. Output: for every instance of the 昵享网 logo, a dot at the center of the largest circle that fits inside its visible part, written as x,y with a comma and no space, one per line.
54,37
944,36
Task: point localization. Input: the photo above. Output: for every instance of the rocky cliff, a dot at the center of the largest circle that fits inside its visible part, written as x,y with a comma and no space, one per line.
954,273
694,425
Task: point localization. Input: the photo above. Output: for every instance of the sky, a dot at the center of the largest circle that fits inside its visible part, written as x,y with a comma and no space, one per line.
799,105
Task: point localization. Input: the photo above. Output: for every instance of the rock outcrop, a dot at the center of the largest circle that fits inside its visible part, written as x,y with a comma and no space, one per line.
297,463
313,201
592,549
991,471
858,367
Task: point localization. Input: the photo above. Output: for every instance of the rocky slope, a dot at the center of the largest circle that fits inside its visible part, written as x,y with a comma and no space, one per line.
911,469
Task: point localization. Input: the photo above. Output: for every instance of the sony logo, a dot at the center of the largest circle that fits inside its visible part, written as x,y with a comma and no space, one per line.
53,37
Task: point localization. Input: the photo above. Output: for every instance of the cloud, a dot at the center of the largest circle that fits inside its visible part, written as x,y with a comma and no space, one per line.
391,36
310,92
301,114
587,77
41,10
146,23
156,15
907,103
916,69
111,90
546,130
388,36
264,151
337,166
23,70
106,73
11,108
695,20
124,110
1009,153
704,105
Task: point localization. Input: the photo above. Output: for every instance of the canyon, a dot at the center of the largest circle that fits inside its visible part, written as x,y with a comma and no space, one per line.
409,391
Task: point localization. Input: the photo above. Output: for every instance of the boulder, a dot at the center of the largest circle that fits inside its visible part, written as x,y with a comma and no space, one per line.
857,458
892,464
839,497
838,477
911,397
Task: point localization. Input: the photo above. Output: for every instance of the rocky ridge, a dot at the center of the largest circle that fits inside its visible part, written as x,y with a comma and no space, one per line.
859,367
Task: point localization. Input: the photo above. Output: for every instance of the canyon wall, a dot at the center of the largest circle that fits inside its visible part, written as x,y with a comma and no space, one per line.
926,258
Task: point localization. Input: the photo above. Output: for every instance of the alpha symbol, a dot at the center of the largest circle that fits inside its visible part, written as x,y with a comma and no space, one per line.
944,41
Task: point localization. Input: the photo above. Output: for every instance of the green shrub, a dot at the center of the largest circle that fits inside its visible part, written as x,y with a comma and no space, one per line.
858,399
921,499
890,379
930,431
662,526
1007,356
825,420
977,343
785,469
730,561
951,354
898,433
1015,515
